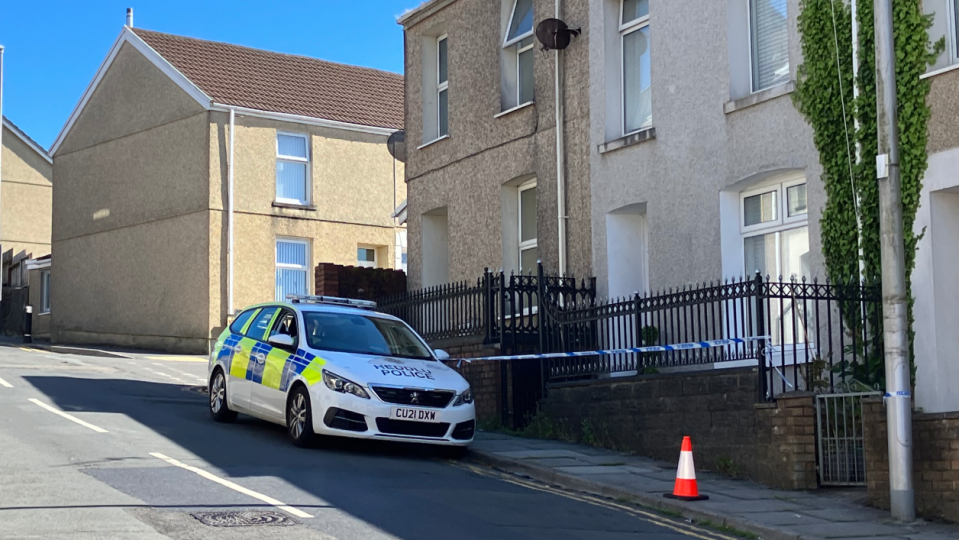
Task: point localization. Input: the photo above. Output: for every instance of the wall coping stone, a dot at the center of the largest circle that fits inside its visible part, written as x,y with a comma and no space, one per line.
711,373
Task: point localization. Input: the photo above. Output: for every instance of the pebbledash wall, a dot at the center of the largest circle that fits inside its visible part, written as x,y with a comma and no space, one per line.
935,439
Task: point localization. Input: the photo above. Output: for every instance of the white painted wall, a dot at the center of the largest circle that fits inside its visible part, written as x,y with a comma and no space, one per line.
626,251
935,286
436,248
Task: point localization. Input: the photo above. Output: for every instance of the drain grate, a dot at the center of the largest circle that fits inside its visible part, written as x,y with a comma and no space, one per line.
245,519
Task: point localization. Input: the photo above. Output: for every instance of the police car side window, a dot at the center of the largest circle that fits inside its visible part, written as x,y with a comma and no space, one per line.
237,326
286,325
260,325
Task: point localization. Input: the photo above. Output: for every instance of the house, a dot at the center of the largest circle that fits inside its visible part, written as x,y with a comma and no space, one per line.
701,166
26,192
935,288
195,178
482,155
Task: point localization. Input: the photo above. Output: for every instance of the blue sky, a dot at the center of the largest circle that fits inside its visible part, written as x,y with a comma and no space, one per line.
53,49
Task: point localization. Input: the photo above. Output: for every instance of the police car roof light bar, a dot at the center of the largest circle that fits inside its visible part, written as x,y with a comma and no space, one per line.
330,300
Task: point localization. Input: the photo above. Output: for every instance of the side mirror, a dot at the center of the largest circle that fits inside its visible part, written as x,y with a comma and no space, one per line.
281,341
441,354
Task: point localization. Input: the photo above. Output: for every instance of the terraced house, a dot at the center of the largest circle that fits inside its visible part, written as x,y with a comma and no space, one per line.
196,178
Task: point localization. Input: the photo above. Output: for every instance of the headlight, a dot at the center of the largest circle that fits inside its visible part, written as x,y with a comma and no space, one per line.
464,398
344,386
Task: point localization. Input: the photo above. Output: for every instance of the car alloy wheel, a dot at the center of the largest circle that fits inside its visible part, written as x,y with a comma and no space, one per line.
219,409
299,418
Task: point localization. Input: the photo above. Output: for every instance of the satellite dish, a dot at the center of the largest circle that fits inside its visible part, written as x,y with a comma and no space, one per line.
555,34
397,145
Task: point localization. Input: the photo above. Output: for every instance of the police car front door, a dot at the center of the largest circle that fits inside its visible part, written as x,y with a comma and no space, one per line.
269,398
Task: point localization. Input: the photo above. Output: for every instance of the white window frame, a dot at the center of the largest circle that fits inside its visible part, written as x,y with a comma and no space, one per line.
44,291
749,39
442,86
953,25
367,264
307,187
515,42
782,222
278,265
528,244
625,29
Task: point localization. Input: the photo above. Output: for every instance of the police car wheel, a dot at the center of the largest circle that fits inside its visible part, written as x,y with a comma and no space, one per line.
218,404
299,417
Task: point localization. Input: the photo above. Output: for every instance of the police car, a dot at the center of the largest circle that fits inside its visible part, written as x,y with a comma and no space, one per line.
332,366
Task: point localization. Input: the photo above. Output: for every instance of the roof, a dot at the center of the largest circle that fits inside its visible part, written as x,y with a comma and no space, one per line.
34,145
422,11
283,87
284,83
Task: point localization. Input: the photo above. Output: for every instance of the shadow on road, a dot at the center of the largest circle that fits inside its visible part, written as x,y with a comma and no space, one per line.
401,489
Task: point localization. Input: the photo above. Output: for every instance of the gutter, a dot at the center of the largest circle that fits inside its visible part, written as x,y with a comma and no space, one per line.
286,117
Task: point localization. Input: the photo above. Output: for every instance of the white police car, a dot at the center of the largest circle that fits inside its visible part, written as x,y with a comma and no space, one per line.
332,366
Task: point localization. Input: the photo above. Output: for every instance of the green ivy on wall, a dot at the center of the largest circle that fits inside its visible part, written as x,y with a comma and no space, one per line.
824,95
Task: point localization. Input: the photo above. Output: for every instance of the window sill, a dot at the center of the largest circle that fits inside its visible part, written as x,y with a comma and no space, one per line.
940,71
759,97
514,109
294,206
629,140
434,141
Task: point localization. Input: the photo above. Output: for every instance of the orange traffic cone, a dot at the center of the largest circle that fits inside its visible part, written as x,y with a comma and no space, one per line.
685,488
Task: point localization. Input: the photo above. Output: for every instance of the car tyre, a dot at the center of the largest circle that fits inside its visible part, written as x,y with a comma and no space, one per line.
219,409
299,418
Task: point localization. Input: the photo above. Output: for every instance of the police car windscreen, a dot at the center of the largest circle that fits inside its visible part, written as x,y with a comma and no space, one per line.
363,335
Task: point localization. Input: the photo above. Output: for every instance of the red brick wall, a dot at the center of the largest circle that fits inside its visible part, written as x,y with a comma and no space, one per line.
357,282
935,449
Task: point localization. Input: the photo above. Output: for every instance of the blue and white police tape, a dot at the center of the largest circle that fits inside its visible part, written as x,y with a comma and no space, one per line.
604,352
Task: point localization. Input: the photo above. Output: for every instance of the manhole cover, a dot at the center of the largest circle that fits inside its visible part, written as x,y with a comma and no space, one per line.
245,519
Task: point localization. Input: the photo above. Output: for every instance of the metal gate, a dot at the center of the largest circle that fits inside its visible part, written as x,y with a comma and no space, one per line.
841,452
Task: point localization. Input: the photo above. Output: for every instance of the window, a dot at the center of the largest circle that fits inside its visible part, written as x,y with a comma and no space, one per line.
261,324
45,291
292,265
363,334
292,168
442,87
237,325
366,257
636,75
518,49
955,29
769,43
286,325
527,228
775,230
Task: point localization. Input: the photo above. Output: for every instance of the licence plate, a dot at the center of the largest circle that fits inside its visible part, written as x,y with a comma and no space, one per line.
414,415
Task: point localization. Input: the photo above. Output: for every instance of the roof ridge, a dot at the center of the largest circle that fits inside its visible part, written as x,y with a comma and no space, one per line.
234,45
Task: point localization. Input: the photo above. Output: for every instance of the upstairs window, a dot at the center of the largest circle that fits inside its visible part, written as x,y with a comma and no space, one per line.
518,53
442,87
636,74
769,43
292,168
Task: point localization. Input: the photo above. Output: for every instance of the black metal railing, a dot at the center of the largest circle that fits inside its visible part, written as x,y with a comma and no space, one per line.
501,308
819,334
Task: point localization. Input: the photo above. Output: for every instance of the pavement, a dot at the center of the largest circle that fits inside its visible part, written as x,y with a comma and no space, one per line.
739,504
123,448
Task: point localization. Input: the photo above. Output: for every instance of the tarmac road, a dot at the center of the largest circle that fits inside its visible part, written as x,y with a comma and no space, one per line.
96,447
